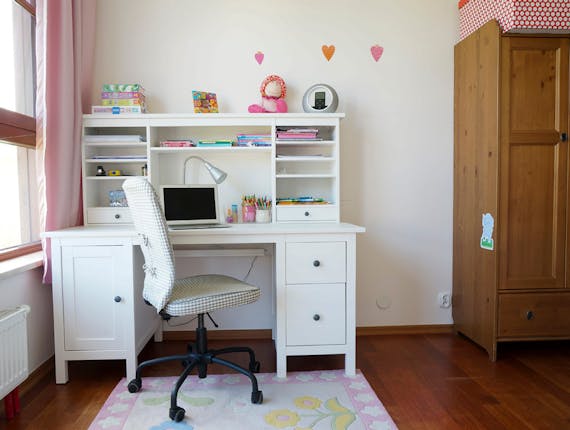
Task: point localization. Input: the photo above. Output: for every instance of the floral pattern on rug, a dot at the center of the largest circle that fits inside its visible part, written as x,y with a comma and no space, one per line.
301,401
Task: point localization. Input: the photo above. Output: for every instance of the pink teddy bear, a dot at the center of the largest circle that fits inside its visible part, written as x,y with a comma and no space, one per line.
273,92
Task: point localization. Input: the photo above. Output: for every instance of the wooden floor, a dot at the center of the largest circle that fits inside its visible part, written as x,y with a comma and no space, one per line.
424,381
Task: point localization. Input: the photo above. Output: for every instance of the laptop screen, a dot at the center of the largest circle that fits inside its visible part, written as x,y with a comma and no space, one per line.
190,204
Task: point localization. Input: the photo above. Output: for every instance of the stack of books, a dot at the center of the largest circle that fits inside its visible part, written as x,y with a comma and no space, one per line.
253,139
297,133
121,98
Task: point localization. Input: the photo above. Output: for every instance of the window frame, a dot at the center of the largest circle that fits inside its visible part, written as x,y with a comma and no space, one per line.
20,130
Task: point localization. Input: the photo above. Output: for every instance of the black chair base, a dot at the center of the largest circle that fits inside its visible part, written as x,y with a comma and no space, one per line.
198,356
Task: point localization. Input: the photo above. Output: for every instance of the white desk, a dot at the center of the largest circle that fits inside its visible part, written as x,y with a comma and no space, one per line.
97,290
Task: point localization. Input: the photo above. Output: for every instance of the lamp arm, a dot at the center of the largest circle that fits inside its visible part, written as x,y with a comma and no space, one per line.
186,165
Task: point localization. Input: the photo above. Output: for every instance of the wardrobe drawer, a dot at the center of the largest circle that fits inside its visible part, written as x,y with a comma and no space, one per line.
534,314
315,262
316,314
109,216
306,213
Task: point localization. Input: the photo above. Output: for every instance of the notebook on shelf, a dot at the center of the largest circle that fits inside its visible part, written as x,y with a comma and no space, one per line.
191,206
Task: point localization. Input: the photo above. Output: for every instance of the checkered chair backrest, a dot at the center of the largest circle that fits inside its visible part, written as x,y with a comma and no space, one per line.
151,227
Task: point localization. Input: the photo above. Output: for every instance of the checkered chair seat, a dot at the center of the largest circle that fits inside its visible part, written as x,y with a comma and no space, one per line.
207,293
176,297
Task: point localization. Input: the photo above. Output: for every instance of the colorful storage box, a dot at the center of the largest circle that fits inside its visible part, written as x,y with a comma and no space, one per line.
205,102
514,15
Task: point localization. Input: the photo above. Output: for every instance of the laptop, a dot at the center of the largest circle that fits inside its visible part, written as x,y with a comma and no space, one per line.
191,206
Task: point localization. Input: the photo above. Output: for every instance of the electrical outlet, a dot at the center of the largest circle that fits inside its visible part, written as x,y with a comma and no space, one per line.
444,300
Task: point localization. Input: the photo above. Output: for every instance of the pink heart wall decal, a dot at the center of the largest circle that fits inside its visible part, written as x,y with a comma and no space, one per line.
259,57
376,51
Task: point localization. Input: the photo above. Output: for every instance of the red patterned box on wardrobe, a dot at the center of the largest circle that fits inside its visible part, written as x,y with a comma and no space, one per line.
514,15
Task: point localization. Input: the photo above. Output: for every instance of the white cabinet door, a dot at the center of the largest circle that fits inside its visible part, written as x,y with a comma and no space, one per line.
316,314
95,283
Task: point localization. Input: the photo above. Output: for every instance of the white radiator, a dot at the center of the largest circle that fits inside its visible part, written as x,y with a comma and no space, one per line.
13,348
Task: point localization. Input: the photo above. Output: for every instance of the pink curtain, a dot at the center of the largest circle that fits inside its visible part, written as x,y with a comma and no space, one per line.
65,35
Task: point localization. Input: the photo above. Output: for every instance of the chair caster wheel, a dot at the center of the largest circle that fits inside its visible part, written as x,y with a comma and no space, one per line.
257,397
202,371
176,414
135,385
254,367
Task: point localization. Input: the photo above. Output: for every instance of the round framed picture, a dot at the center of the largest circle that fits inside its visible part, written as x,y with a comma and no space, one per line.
320,98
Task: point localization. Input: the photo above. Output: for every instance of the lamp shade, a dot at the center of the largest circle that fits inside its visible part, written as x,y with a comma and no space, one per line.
217,175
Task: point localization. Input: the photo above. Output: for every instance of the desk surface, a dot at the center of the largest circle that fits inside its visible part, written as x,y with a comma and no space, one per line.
235,229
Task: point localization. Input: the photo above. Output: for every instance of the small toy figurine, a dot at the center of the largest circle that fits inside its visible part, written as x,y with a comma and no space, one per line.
100,171
273,91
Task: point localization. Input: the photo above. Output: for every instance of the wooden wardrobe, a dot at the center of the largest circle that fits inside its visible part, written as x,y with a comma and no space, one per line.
511,160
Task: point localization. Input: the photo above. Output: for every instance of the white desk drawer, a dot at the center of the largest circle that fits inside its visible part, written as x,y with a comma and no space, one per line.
315,262
316,314
101,215
306,213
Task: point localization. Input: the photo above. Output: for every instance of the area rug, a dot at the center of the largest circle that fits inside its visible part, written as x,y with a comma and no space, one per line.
302,401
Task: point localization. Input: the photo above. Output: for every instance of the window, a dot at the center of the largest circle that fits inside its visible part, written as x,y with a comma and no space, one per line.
19,217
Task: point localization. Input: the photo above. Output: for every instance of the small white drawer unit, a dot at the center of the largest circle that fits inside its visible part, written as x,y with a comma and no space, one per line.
316,293
100,215
306,213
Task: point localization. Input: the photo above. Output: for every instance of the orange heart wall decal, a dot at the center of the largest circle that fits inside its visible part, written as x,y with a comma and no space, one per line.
328,51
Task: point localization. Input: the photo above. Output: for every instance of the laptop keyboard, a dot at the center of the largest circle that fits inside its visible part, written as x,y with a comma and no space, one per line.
196,226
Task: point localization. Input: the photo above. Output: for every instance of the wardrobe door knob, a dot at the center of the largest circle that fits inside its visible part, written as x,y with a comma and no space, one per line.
316,317
117,216
316,263
529,315
118,299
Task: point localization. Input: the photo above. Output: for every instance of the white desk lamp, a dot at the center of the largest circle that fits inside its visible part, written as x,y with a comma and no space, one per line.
218,175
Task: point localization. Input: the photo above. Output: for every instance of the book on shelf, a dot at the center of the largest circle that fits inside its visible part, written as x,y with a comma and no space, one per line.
177,143
98,138
296,133
122,102
214,143
244,139
304,200
117,110
122,95
118,157
298,130
298,136
113,88
296,157
298,139
253,143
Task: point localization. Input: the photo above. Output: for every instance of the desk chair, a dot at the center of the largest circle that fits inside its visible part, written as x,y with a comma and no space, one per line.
195,295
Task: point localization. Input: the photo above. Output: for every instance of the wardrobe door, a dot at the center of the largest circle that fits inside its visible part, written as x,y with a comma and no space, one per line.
534,162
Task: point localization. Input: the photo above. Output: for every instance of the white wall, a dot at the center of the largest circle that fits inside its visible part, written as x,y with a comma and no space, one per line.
397,155
26,288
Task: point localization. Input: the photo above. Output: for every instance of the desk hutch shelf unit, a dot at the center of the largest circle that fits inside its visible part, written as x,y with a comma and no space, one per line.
285,169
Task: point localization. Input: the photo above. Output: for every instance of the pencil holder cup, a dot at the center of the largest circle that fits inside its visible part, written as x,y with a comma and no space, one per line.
263,215
248,213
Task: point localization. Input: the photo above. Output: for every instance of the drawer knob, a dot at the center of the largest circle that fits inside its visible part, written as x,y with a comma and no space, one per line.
316,263
307,213
316,317
118,299
117,216
529,315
